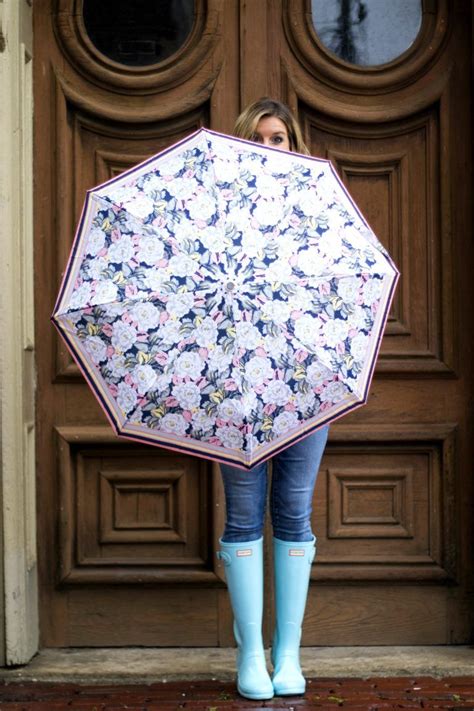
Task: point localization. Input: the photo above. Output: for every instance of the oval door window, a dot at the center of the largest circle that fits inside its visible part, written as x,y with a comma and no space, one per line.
367,32
138,33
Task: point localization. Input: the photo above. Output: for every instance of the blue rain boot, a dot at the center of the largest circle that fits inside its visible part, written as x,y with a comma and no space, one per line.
244,575
292,561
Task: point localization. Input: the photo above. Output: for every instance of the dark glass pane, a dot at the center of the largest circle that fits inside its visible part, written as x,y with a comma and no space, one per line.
138,32
367,32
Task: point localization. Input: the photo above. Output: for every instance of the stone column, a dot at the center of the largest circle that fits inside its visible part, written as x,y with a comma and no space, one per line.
18,568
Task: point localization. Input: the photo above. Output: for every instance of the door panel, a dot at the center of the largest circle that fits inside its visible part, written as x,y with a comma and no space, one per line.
391,170
128,532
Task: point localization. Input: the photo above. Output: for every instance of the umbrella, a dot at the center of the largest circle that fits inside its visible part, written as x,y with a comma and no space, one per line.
225,299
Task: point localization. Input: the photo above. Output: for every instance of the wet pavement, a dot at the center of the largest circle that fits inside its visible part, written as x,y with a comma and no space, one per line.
346,693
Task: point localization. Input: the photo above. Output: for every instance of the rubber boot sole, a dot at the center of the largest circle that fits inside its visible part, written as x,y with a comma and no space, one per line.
254,697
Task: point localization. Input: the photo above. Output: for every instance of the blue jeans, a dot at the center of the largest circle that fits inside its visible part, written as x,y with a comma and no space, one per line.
294,475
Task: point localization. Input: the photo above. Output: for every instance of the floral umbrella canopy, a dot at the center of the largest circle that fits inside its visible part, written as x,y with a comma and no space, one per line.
225,299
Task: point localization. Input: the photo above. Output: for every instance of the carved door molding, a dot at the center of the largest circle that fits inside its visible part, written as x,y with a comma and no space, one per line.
327,68
190,59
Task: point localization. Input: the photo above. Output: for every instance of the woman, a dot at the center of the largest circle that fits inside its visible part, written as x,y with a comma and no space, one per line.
294,475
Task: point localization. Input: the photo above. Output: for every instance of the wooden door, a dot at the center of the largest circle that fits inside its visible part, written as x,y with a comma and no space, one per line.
391,503
128,534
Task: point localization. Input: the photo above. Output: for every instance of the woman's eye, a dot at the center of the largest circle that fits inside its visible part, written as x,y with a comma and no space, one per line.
277,139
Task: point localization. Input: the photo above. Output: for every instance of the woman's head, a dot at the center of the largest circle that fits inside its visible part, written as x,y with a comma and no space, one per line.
272,123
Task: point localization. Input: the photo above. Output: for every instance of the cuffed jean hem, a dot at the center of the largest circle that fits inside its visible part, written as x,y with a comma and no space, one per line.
304,537
241,537
247,538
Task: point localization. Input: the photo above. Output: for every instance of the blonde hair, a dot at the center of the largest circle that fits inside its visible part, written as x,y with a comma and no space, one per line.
246,124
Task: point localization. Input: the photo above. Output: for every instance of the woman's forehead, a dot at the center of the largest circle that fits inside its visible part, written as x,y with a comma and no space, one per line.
272,123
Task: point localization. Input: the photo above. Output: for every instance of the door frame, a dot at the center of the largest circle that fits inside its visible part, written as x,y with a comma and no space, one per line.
19,624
